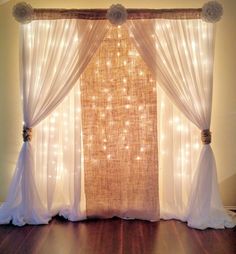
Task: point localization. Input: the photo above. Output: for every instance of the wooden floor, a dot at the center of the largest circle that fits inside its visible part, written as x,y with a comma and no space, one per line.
115,236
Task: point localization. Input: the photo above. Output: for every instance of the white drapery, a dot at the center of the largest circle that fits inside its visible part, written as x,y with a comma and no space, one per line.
180,55
53,55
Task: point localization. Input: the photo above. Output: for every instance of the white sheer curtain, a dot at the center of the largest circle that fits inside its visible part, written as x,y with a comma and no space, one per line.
180,55
53,54
179,148
58,152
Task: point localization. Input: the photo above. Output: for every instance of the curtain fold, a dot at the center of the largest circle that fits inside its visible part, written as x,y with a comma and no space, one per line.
180,55
179,148
53,54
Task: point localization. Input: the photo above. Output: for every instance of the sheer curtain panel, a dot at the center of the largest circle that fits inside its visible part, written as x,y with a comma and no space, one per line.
180,54
53,55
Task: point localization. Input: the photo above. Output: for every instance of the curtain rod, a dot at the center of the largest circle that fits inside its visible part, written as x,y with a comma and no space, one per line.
210,12
100,14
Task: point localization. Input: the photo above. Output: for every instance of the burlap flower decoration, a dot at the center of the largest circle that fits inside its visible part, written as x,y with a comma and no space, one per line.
117,14
23,12
212,12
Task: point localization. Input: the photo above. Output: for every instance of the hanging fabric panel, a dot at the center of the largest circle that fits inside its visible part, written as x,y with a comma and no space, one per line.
180,55
53,55
119,120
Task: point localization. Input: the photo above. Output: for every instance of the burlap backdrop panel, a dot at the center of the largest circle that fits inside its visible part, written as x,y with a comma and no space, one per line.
119,123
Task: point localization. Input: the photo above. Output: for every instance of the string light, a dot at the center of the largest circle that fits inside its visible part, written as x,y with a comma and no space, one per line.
108,102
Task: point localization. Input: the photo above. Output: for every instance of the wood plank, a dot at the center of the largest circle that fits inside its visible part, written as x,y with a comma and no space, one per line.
115,236
14,239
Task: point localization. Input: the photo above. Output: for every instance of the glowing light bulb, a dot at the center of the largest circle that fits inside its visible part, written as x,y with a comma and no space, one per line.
176,119
143,116
127,147
162,136
196,146
109,156
140,107
45,128
127,123
141,73
76,39
52,120
111,123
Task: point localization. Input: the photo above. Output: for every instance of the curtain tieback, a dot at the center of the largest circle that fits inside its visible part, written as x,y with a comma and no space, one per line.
206,136
27,134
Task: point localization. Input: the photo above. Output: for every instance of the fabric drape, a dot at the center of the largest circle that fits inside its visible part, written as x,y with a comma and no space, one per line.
53,55
180,55
179,148
119,119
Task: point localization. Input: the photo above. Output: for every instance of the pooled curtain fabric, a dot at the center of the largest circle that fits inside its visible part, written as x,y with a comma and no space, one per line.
53,55
180,55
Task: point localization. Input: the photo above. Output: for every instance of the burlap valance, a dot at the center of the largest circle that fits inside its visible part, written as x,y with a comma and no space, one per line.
100,14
